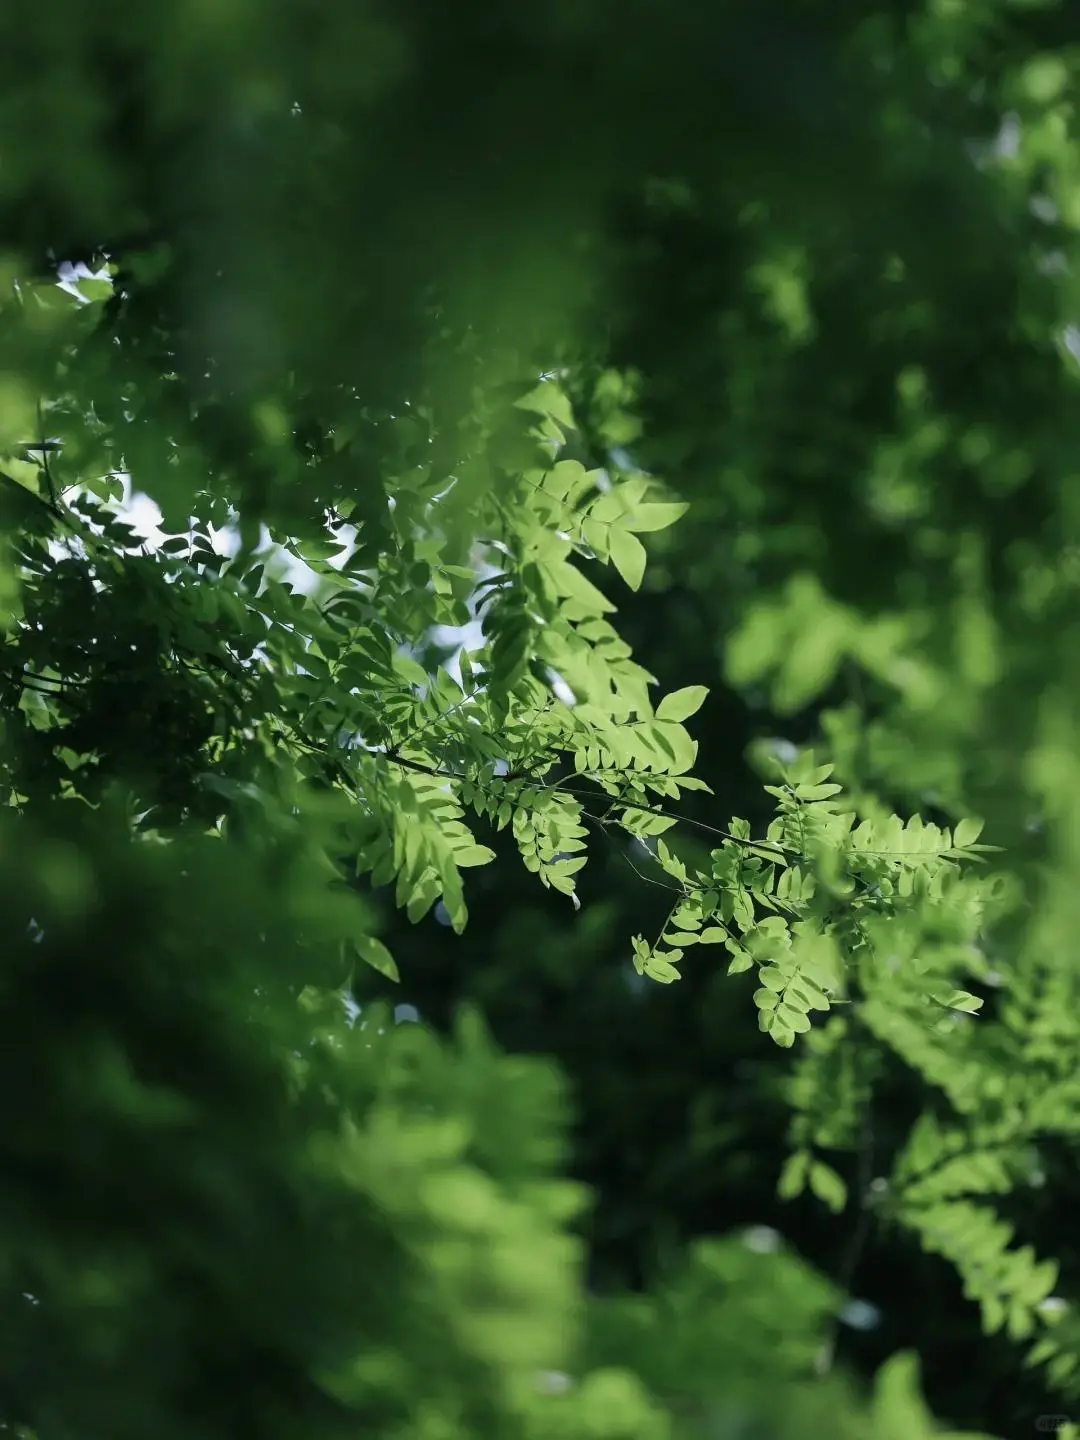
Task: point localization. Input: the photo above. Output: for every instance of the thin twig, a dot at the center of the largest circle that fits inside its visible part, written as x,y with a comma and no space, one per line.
45,448
853,1254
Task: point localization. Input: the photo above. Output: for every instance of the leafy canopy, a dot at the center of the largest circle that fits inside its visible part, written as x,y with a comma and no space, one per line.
840,369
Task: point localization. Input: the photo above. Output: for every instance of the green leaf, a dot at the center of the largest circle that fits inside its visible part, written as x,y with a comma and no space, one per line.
473,855
777,1031
958,1000
567,580
793,1176
828,1186
816,792
681,704
375,953
794,1018
564,477
967,831
410,670
659,968
549,399
598,539
627,555
655,515
898,1411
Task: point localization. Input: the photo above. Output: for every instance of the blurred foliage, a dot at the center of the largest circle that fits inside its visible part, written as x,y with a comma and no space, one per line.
709,376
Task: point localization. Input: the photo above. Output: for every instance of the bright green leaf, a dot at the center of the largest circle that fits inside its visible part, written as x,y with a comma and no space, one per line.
377,956
681,704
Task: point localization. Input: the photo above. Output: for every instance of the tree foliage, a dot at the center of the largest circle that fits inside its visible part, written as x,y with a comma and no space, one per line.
748,362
